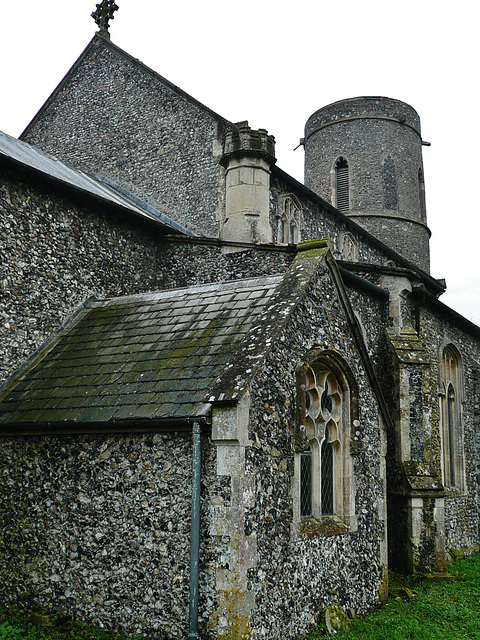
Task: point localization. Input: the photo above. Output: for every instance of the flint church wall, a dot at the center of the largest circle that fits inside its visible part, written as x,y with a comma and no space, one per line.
301,569
98,527
461,507
158,143
59,250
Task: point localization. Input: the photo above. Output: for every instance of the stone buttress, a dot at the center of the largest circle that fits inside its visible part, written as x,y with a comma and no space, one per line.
416,507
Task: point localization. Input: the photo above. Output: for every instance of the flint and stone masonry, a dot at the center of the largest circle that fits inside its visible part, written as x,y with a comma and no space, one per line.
381,141
119,327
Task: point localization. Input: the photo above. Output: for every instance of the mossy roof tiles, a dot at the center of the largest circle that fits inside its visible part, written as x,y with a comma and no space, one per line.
138,357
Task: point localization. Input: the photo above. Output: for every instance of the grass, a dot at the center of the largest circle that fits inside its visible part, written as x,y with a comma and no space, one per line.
16,623
446,610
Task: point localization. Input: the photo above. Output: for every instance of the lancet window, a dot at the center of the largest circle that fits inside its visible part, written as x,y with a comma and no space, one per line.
342,184
451,418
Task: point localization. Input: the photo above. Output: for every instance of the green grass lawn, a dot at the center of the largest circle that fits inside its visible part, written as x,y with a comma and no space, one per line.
19,624
438,611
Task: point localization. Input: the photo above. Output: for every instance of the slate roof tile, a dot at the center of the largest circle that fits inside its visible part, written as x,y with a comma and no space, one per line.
137,358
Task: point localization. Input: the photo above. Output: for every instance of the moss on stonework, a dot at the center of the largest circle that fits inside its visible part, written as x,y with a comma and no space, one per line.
233,609
334,618
319,243
325,526
384,586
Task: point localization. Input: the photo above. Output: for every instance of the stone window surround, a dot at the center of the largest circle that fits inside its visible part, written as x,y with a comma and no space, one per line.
349,247
330,365
289,219
334,174
451,419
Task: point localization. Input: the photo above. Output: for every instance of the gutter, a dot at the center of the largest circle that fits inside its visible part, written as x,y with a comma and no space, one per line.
423,297
355,279
195,532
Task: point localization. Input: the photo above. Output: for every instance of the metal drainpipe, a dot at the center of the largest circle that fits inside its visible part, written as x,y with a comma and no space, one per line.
195,531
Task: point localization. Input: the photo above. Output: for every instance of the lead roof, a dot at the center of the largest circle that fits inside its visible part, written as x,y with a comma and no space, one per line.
48,166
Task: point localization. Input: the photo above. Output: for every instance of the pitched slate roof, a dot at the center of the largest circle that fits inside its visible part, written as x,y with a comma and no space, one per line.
48,166
143,357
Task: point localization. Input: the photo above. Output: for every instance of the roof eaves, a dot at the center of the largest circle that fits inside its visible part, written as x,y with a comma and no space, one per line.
161,217
98,191
152,425
424,297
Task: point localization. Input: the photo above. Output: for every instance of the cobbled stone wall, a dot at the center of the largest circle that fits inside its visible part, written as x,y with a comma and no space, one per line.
148,136
461,511
298,574
57,252
99,527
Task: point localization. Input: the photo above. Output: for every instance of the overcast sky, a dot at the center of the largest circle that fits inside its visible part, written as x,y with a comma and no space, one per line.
274,64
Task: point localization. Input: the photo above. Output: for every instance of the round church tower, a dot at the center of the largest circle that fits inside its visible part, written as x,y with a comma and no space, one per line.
364,155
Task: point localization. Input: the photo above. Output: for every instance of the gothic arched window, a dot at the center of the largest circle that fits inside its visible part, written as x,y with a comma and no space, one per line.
289,216
451,418
326,477
342,185
349,247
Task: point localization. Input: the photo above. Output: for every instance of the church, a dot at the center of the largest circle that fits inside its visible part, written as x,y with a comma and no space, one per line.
229,400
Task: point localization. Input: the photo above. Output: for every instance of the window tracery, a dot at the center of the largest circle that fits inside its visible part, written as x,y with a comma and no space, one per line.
326,476
349,247
289,214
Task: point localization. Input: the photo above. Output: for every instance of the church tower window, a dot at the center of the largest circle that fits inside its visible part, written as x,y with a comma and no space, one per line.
342,185
421,195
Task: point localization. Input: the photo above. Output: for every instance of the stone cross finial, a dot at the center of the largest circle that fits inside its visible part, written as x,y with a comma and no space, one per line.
103,14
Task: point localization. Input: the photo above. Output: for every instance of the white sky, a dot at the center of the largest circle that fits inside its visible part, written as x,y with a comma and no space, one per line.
274,64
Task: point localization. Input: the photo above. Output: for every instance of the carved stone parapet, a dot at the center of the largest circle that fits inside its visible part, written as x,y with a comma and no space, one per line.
244,141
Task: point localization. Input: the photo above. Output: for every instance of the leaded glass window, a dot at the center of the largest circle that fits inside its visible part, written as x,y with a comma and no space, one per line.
323,423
